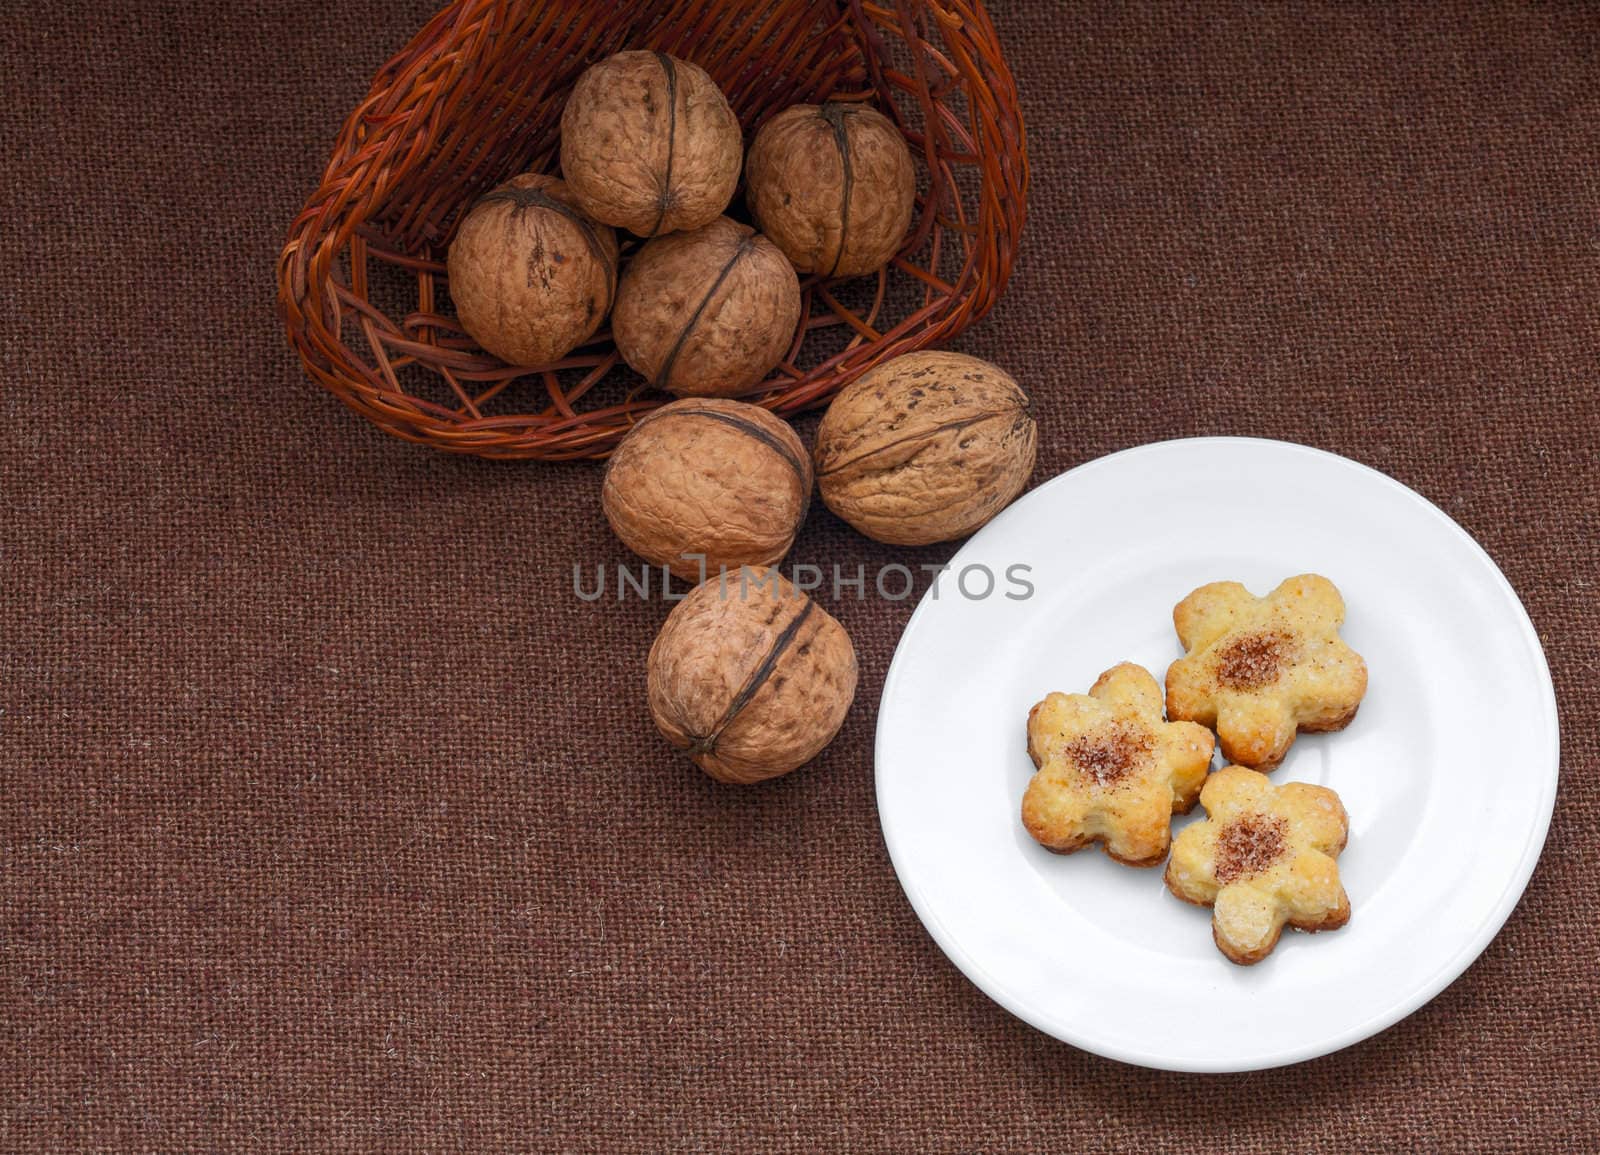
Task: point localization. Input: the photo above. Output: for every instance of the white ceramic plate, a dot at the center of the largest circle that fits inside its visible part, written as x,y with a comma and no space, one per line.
1448,772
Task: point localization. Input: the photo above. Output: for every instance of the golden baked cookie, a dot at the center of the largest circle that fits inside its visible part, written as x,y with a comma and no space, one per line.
1111,770
1263,857
1259,670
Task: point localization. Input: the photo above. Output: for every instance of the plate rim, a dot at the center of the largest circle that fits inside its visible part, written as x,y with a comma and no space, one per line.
1457,964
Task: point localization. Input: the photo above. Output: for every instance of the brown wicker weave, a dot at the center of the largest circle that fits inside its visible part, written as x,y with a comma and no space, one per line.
477,97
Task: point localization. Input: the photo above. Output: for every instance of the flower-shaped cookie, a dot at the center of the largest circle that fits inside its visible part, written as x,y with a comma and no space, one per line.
1263,857
1111,770
1259,670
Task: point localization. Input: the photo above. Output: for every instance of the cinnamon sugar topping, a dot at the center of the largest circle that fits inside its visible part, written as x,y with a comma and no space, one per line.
1107,755
1253,660
1249,846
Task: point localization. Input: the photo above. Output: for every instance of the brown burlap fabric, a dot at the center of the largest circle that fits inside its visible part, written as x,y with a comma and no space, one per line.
329,818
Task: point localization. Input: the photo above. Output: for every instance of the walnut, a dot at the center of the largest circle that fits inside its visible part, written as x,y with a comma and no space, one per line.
707,313
530,275
750,676
926,447
649,144
833,186
708,476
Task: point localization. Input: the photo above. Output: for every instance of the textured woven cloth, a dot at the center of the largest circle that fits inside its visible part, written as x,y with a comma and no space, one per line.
330,818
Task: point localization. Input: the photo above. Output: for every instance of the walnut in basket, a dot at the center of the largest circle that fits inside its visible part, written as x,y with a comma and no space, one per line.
473,88
649,144
707,313
707,476
926,447
833,186
750,677
530,275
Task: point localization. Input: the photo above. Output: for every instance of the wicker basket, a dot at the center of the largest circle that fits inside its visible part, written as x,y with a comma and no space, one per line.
477,97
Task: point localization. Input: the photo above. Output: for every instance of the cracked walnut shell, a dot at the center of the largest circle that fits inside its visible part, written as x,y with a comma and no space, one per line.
707,313
649,144
833,186
711,477
750,676
926,447
531,276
